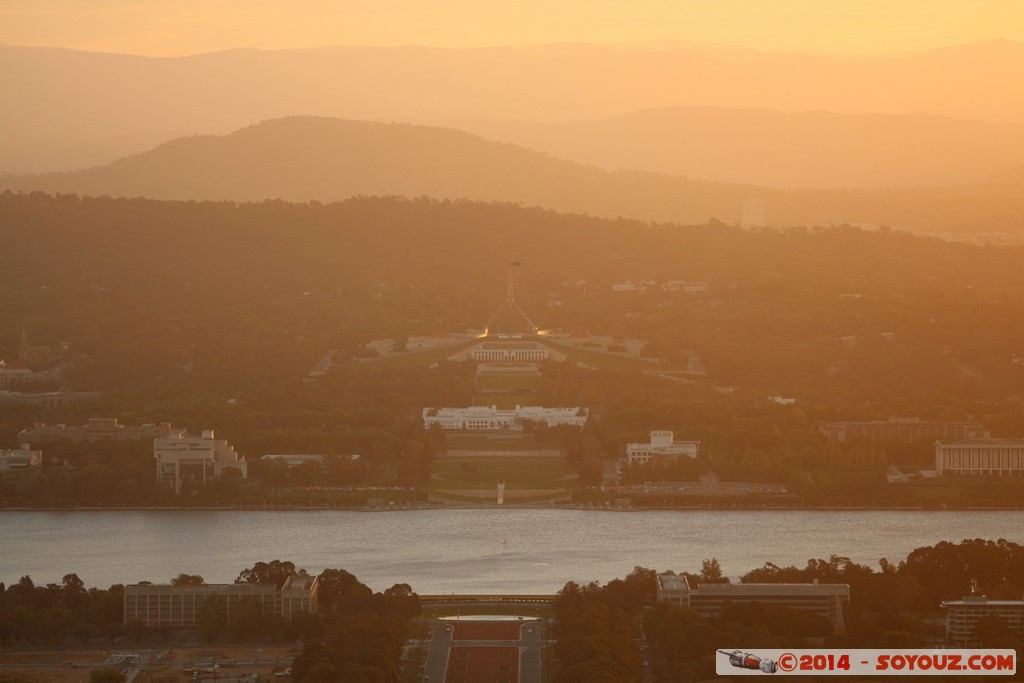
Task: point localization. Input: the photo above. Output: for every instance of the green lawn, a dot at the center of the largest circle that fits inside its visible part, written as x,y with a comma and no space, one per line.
415,359
492,441
505,401
527,479
511,382
609,361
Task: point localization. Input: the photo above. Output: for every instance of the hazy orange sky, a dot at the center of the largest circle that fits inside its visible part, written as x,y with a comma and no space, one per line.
179,27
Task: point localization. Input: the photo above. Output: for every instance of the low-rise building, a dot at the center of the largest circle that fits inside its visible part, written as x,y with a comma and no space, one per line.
980,457
99,429
195,458
827,600
510,352
902,429
963,615
48,399
10,375
661,446
293,459
168,605
24,458
491,418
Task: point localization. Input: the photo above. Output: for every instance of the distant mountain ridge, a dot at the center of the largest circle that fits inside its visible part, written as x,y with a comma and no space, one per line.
64,109
811,149
323,159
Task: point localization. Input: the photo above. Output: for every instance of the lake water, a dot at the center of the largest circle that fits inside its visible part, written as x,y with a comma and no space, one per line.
461,550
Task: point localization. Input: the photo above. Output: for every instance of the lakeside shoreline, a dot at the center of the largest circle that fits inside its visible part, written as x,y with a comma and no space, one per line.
469,506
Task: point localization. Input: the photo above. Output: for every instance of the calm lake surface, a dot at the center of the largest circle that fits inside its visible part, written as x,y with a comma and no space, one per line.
461,551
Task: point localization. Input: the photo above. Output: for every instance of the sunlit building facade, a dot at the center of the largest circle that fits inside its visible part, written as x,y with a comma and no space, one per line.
195,458
661,446
168,605
484,418
980,457
510,352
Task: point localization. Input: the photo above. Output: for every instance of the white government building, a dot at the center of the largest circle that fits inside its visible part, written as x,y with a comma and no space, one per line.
491,418
662,445
978,457
510,352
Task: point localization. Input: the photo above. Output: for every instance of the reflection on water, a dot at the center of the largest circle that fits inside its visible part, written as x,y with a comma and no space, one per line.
487,617
446,551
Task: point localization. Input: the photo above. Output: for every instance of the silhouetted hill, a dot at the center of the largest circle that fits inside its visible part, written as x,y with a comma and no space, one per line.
64,109
778,149
307,158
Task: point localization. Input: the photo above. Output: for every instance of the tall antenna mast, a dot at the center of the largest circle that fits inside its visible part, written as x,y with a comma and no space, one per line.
510,300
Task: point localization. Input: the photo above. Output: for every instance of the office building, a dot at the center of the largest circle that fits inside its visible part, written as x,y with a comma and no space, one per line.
168,605
661,446
491,418
963,615
48,399
196,459
826,600
99,429
902,429
980,457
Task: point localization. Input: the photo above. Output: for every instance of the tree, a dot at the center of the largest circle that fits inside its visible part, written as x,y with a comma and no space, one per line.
187,580
275,572
711,572
107,675
341,592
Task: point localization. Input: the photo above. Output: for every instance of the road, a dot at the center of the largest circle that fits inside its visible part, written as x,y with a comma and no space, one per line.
531,647
437,654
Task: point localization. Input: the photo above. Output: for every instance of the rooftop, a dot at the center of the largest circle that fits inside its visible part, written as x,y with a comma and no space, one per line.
988,443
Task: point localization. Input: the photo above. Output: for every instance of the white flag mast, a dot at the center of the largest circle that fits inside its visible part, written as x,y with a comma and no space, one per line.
510,300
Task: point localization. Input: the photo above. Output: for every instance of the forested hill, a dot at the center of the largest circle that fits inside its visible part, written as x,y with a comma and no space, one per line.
311,158
243,295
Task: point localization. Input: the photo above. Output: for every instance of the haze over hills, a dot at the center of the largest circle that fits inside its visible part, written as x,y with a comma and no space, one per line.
323,159
64,109
778,149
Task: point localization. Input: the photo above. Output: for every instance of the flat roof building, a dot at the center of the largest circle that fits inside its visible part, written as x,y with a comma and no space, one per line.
181,606
11,375
980,457
902,429
827,600
194,458
48,399
510,351
963,615
491,418
24,458
99,429
661,446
